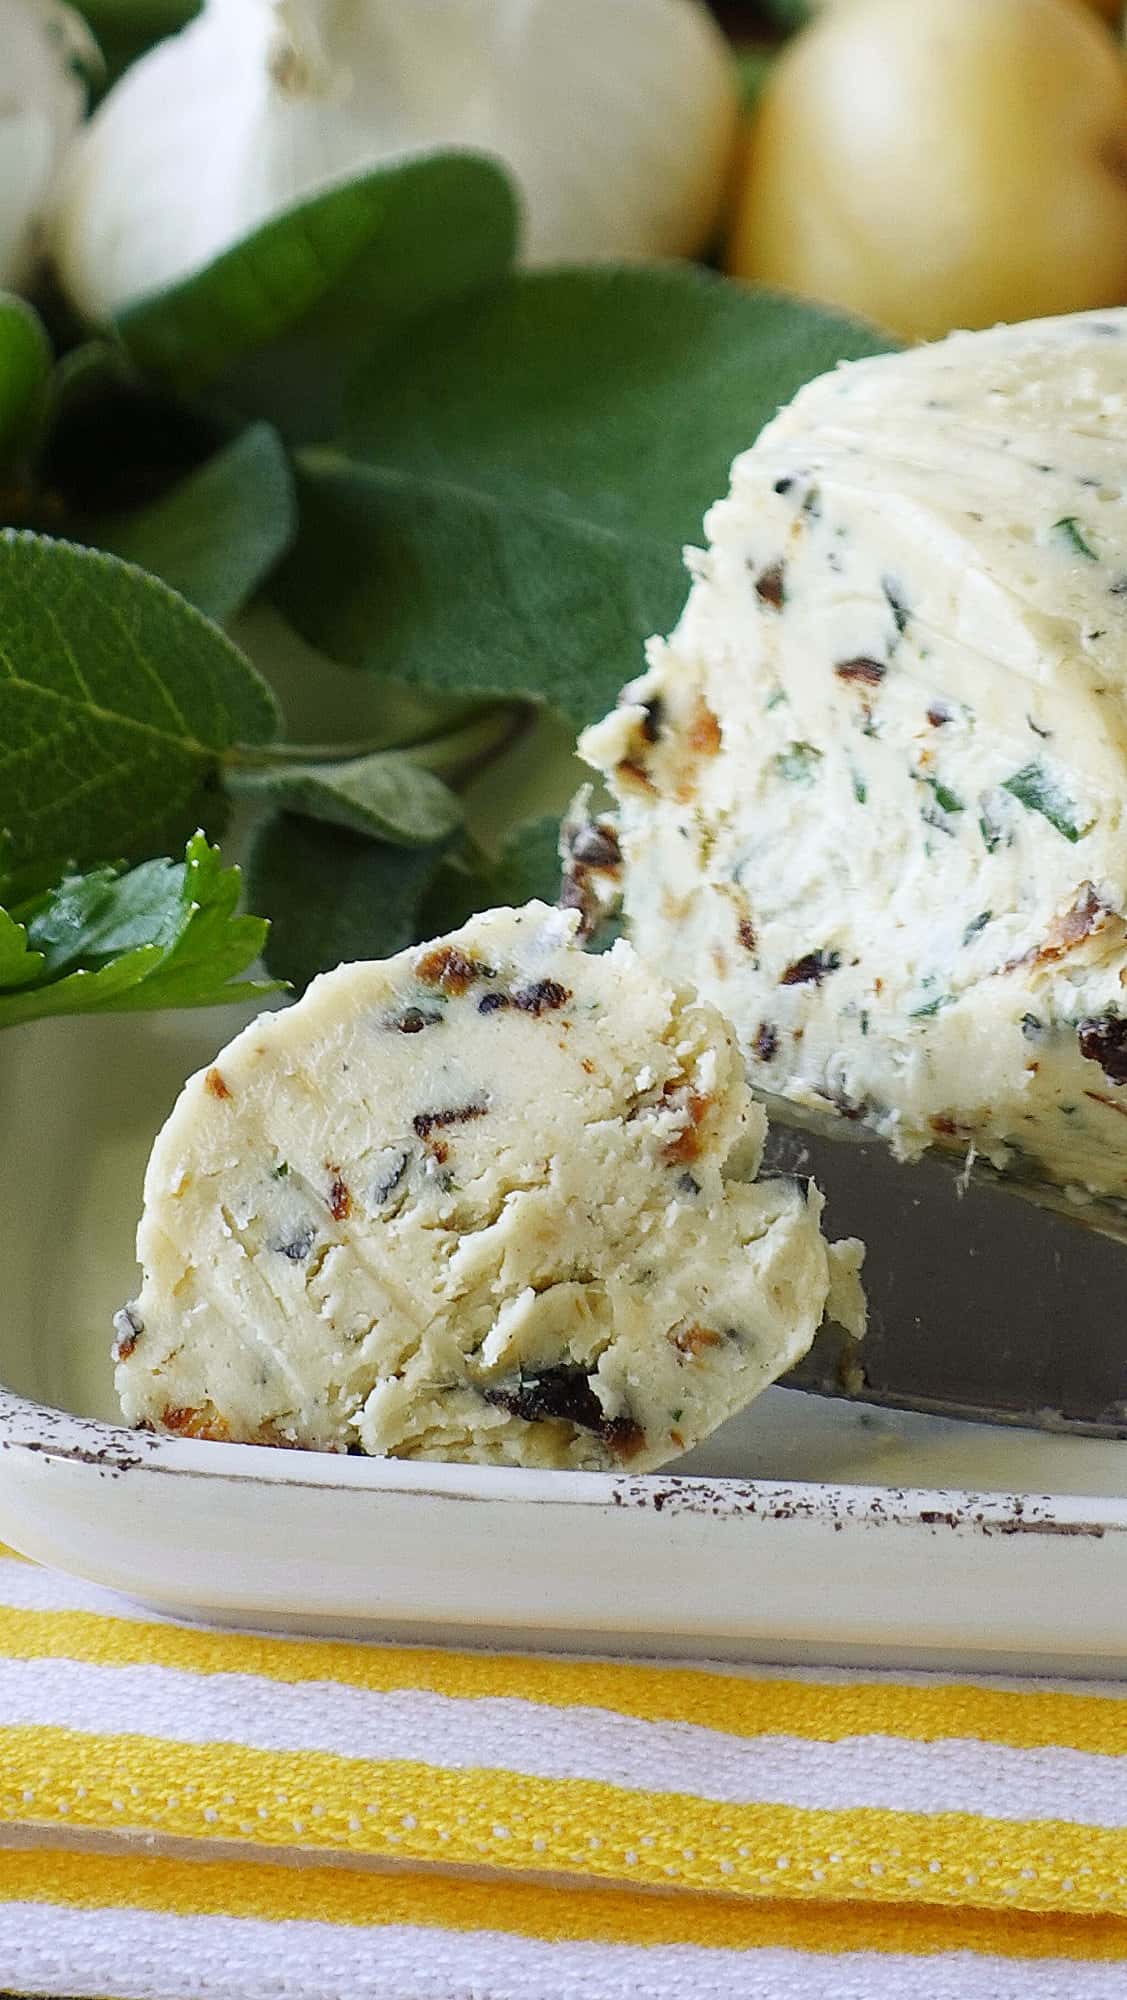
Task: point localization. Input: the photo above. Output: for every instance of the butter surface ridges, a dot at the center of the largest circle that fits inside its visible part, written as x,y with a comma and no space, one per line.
490,1200
872,790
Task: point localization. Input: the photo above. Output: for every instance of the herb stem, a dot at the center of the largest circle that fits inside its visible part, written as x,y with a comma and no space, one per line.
453,755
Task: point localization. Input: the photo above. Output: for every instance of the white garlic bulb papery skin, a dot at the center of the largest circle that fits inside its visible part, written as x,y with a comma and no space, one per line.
616,118
42,100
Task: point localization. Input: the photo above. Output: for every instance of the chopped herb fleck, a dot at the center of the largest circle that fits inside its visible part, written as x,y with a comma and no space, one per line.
766,1041
1032,1027
1103,1040
811,969
1033,788
770,586
413,1020
992,831
864,1020
128,1327
451,969
947,800
869,672
860,789
774,700
385,1188
781,486
653,718
596,845
675,1416
688,1184
543,997
930,1007
340,1197
279,1172
1037,729
897,603
299,1245
426,1122
565,1394
1069,531
977,924
798,763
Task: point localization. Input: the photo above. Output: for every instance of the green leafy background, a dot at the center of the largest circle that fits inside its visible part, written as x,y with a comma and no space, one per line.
437,501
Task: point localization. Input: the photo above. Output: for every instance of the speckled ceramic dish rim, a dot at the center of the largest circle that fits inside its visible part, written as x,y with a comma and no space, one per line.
675,1565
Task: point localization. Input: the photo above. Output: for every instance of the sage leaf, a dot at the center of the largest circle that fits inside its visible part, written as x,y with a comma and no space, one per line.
114,442
164,934
505,509
25,368
333,895
217,534
387,794
341,268
528,868
118,702
788,14
127,28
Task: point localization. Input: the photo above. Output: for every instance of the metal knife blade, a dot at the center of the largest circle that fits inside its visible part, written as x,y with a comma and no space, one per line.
982,1305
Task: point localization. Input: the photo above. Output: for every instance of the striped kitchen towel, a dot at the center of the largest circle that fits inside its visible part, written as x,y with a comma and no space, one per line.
187,1811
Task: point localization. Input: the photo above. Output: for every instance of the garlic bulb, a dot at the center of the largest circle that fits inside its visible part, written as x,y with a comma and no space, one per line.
616,118
42,99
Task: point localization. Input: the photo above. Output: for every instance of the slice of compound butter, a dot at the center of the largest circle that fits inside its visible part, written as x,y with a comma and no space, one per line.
490,1200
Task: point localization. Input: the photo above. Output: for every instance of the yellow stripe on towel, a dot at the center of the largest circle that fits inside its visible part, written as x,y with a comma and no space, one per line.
822,1711
599,1916
403,1811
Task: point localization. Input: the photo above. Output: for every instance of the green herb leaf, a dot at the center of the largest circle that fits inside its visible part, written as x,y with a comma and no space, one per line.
788,14
930,1007
164,934
1070,532
992,829
219,533
947,800
19,964
754,64
25,367
308,290
126,28
508,504
334,895
117,704
977,925
1033,788
387,794
527,869
111,441
798,763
